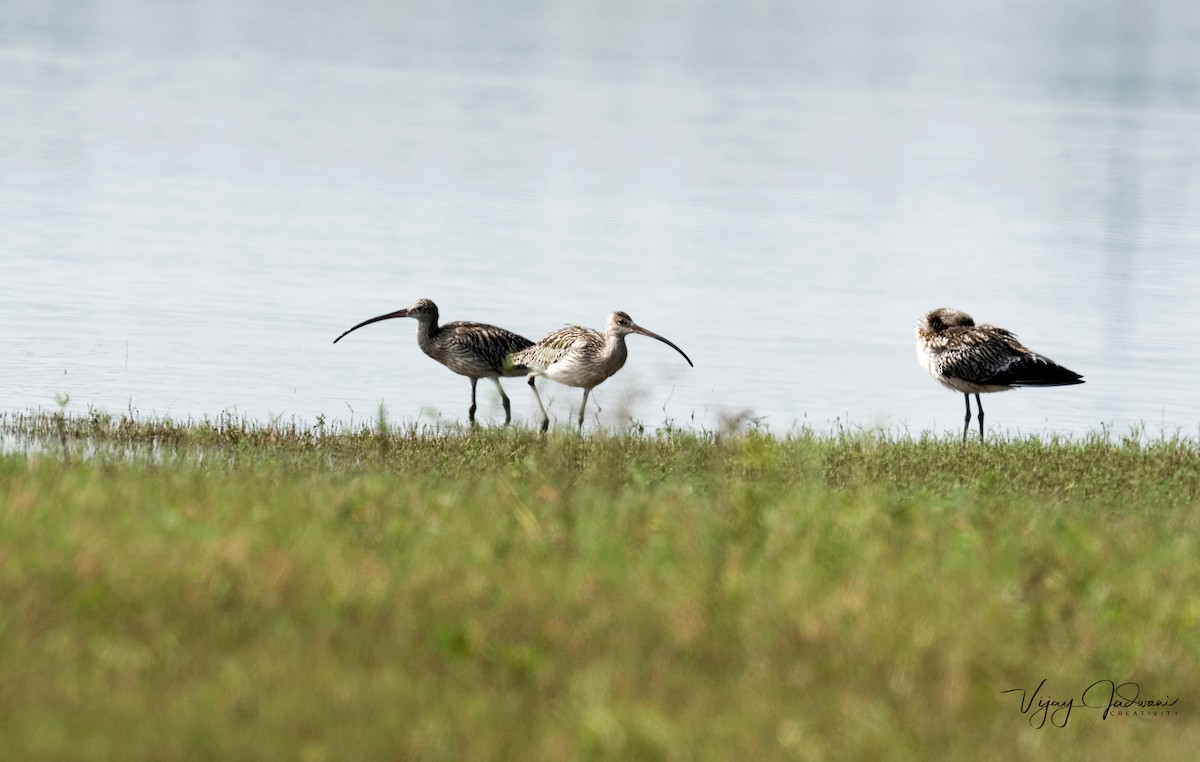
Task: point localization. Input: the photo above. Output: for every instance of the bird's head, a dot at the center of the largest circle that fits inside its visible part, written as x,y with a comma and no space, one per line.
424,310
421,309
620,325
936,321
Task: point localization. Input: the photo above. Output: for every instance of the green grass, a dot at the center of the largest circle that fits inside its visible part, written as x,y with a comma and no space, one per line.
219,590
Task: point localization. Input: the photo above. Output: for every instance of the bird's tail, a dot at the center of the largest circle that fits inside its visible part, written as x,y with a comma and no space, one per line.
1036,370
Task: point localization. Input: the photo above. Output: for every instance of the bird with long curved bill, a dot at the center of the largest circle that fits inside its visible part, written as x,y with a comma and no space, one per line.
581,357
978,359
474,350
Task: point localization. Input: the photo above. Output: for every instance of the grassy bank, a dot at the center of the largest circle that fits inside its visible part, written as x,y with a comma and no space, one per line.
220,590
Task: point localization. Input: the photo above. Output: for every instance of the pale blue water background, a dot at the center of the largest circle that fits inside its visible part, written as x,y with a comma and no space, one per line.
197,197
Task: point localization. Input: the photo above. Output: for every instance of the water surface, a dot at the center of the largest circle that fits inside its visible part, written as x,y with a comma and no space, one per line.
199,197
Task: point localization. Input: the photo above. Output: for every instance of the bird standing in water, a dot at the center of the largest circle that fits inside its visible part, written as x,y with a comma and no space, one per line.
977,359
474,350
582,357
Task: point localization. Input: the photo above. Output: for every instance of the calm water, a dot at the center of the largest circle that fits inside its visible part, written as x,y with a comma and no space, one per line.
197,197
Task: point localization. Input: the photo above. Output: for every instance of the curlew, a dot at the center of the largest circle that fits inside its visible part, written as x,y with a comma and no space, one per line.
580,357
976,359
474,350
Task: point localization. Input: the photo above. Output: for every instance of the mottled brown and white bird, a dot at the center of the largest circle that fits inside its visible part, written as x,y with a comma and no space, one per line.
975,359
474,350
581,357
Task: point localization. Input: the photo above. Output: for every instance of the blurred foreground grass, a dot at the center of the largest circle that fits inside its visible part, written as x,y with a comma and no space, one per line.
220,590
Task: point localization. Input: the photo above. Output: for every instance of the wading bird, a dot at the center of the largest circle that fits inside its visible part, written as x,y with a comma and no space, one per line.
474,350
581,357
976,359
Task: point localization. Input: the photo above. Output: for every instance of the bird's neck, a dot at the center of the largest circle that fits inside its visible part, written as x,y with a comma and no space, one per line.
614,353
427,331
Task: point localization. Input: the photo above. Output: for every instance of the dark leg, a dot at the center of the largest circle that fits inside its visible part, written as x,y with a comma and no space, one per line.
967,420
504,399
979,404
538,398
583,408
471,410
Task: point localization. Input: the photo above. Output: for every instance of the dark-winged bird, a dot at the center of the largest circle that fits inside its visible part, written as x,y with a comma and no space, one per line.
976,359
474,350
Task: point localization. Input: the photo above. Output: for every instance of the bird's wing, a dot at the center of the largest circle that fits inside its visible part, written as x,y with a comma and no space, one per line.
553,347
495,344
992,356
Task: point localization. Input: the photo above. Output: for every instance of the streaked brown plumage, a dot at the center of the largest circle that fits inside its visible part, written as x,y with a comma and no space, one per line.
474,350
975,359
581,357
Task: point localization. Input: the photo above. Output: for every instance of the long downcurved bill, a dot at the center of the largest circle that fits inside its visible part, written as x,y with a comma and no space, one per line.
389,316
653,335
